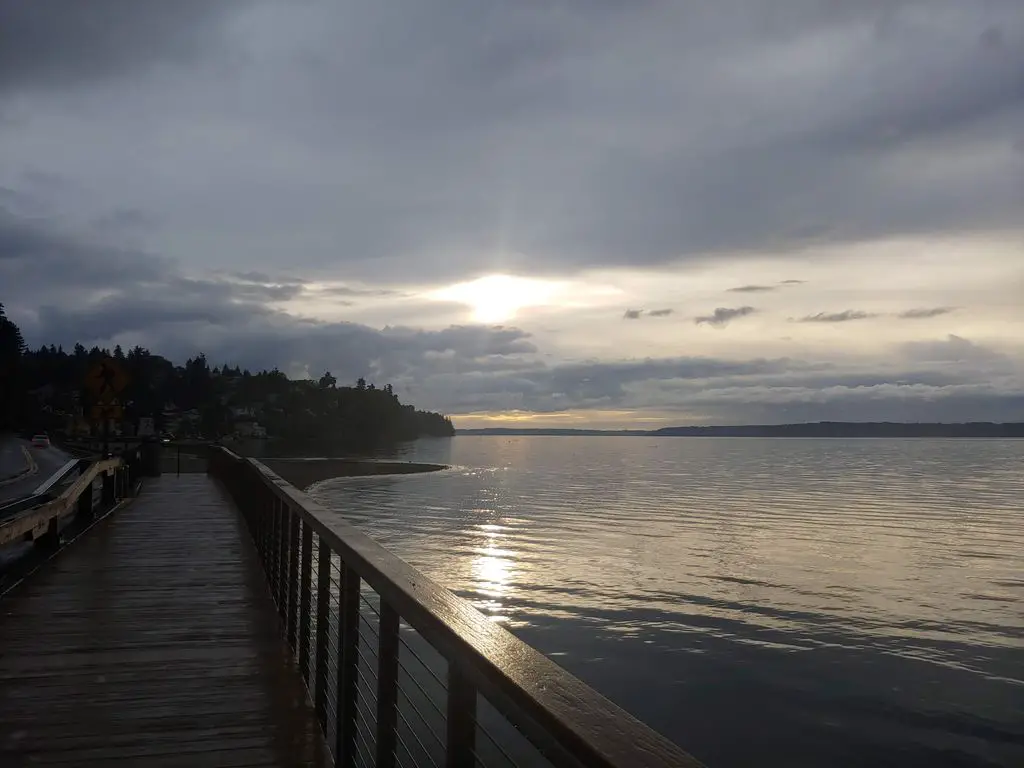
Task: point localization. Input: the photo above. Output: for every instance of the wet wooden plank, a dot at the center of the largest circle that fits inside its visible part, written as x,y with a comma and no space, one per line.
153,641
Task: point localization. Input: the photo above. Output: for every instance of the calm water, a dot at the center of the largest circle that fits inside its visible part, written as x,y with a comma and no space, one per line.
785,602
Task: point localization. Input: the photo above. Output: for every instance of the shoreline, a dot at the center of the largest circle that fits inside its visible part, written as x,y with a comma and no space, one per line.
303,473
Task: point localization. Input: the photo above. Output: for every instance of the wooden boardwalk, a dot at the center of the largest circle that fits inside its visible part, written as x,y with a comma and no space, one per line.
153,641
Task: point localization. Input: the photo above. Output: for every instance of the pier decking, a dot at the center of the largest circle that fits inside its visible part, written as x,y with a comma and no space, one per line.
153,640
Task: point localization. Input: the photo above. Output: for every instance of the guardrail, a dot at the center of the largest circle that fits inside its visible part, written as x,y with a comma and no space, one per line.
401,671
42,522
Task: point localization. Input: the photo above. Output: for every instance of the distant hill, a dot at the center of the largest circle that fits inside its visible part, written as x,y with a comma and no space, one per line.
562,432
817,429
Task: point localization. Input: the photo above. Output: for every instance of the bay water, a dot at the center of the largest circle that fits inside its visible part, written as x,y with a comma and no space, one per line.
792,602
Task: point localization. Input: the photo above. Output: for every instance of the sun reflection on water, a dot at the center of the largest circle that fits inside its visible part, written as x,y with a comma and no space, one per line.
492,570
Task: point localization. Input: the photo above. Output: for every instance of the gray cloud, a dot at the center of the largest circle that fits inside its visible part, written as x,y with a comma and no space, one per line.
636,314
837,317
753,289
408,144
956,349
255,276
722,316
473,368
730,135
925,312
50,43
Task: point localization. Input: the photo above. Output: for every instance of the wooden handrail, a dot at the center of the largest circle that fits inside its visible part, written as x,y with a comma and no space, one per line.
571,722
35,522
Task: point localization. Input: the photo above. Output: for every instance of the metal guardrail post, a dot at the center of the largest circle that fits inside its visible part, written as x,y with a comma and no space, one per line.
323,596
387,687
293,582
304,600
272,573
461,717
348,659
283,513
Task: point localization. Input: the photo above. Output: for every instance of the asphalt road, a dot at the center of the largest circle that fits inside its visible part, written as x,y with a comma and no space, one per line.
48,461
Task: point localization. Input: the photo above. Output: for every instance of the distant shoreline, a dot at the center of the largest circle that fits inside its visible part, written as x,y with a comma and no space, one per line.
832,429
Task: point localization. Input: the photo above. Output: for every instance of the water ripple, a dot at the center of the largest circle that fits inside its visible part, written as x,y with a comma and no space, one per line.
823,602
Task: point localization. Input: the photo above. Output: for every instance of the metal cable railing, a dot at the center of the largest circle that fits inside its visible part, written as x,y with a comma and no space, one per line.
403,673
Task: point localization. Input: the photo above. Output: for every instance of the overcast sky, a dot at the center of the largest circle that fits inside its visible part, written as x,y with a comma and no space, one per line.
541,212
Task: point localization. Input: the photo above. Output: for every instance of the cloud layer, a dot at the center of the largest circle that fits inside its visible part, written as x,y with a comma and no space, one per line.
722,316
286,183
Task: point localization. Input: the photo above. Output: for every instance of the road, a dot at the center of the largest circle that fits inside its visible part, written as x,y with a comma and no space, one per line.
48,461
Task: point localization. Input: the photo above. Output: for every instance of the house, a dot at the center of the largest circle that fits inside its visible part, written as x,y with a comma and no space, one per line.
248,427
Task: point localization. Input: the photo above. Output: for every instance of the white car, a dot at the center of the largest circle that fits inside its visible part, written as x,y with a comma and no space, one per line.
40,441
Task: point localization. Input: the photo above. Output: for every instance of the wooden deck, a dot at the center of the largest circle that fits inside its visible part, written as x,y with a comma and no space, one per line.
153,641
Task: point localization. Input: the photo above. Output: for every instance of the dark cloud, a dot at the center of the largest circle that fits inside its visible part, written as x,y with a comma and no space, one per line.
347,290
460,369
606,139
125,221
837,317
752,289
722,316
51,43
371,144
636,314
255,276
957,349
925,312
35,255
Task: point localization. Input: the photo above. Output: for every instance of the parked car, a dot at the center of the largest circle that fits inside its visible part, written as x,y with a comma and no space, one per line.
40,441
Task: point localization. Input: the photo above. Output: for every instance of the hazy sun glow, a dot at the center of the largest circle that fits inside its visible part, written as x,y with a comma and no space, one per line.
497,298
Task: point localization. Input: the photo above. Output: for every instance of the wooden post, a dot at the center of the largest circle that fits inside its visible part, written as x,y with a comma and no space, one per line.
304,599
348,658
84,508
109,491
323,606
387,687
461,719
49,541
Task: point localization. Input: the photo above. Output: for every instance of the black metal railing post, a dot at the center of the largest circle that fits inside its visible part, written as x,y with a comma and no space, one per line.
348,659
323,606
387,687
304,600
293,582
283,513
461,716
270,510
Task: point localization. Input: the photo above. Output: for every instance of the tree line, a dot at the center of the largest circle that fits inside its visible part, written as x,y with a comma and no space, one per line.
42,388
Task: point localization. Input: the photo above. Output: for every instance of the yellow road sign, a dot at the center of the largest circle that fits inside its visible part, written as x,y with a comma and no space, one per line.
105,380
107,412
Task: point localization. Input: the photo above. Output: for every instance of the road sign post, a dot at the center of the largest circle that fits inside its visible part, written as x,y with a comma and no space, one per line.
105,381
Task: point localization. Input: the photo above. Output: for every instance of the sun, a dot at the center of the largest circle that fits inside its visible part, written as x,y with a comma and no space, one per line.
498,298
